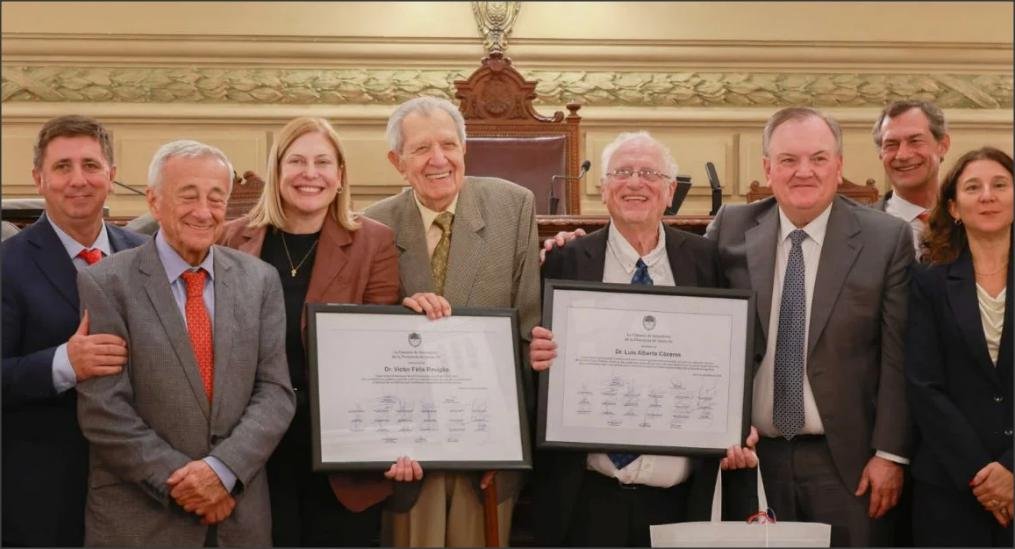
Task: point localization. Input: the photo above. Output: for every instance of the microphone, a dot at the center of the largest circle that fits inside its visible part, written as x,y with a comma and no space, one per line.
128,187
554,200
713,181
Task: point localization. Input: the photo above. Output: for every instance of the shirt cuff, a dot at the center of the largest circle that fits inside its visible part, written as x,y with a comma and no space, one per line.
892,457
63,373
226,476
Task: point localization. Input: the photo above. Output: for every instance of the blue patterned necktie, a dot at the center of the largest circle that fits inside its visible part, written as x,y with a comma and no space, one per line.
641,276
788,398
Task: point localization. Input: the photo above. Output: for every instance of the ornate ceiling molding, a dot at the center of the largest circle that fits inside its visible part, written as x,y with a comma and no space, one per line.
279,86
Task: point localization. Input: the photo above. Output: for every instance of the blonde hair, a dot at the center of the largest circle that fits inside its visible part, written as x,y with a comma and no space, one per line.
268,210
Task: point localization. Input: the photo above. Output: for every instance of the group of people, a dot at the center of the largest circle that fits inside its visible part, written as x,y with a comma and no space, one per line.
155,389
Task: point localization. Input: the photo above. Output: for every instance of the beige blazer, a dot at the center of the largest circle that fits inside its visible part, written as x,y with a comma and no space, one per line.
493,261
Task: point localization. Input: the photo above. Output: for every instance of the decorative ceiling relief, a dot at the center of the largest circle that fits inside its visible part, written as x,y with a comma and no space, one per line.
26,83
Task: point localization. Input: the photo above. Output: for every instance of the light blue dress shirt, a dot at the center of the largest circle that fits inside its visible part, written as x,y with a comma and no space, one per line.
176,266
63,373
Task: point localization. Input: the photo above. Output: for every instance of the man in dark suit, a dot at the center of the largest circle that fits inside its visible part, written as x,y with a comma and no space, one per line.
912,140
601,499
179,440
47,347
832,280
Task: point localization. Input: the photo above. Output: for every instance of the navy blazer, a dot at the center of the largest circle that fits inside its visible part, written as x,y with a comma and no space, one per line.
961,402
45,457
558,475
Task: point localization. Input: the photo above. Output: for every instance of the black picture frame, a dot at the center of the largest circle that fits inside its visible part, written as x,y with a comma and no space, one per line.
551,286
384,462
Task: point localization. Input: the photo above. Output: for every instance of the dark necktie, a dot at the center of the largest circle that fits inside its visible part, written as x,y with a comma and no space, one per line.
91,255
199,328
641,276
788,398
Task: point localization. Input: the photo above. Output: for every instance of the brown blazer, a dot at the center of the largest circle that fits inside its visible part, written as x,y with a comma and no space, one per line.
350,267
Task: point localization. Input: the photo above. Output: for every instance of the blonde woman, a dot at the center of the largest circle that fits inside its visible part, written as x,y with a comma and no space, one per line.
304,227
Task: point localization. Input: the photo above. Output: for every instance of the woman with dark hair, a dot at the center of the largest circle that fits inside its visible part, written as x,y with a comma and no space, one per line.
959,359
304,226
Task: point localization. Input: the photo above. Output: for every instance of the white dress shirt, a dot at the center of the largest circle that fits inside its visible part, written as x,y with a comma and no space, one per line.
619,266
908,212
764,378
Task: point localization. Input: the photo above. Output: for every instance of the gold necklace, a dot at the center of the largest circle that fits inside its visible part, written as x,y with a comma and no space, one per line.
295,268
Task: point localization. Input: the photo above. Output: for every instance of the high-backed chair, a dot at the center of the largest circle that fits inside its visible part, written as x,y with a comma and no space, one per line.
507,138
864,194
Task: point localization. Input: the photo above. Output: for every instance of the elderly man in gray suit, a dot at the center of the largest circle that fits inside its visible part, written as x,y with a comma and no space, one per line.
179,439
831,278
463,242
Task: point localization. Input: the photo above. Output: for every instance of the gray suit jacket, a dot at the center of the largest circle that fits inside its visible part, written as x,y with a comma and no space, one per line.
857,319
154,417
493,262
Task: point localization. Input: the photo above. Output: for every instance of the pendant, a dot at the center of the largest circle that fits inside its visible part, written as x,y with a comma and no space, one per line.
293,273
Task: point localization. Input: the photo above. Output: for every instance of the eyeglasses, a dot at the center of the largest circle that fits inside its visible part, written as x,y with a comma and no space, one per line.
646,175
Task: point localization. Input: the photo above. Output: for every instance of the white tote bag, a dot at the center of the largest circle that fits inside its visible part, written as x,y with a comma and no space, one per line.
719,533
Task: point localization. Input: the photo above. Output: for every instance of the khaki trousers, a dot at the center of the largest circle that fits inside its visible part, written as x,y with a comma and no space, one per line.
448,513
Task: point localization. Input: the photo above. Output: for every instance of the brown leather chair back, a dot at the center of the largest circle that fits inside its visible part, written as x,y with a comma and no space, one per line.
531,162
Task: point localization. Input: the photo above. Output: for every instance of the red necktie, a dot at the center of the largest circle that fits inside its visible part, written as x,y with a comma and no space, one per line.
199,328
924,216
91,255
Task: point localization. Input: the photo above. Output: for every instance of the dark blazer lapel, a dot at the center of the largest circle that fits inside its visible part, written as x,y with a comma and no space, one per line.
413,262
226,289
840,249
760,241
681,267
467,246
53,261
116,241
961,289
161,296
590,259
331,259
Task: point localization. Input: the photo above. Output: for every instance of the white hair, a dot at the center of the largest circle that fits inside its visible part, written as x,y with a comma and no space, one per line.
425,105
642,136
185,148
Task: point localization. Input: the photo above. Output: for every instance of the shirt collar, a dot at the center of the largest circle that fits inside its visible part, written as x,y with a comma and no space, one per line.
900,207
176,265
627,256
428,214
74,247
815,229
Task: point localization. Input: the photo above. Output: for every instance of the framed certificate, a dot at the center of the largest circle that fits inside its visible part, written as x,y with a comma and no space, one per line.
387,382
647,369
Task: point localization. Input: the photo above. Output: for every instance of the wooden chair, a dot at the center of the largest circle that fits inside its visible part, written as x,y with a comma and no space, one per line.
507,138
864,194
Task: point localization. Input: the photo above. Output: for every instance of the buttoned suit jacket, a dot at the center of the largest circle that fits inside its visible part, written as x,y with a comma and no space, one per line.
45,458
349,267
960,401
493,261
558,475
155,417
856,322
